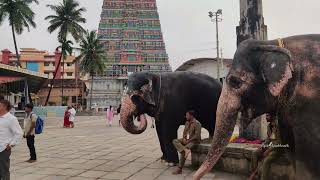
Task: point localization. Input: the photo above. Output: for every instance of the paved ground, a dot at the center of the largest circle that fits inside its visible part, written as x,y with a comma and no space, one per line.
94,151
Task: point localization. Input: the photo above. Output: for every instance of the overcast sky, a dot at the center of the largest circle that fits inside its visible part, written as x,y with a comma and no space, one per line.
187,29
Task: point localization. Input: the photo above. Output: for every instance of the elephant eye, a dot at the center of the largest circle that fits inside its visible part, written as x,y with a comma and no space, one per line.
235,82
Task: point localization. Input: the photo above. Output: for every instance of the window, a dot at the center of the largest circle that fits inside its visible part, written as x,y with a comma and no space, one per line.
46,64
69,64
131,58
74,99
69,73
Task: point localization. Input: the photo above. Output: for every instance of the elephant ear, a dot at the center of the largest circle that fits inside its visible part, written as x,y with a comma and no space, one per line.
147,92
276,68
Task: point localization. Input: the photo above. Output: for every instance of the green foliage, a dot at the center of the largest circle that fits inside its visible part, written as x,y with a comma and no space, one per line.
67,19
19,14
92,54
66,46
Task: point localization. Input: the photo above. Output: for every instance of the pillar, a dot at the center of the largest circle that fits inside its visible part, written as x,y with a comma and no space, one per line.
251,23
251,26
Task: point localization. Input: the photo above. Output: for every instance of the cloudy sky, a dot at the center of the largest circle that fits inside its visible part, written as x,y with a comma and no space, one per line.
187,29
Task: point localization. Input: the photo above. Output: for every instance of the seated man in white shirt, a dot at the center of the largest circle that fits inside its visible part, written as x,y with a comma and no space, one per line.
10,135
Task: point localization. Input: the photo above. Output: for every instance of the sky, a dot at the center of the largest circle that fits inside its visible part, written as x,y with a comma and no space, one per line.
187,29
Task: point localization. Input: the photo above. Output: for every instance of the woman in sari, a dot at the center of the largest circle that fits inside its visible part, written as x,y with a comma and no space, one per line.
66,122
109,116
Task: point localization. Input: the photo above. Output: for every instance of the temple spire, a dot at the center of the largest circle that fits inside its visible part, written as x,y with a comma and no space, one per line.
251,23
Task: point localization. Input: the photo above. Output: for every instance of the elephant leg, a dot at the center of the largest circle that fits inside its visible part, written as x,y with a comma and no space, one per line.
171,152
160,137
306,152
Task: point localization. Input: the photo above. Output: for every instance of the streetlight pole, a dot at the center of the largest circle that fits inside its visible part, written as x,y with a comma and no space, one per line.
216,17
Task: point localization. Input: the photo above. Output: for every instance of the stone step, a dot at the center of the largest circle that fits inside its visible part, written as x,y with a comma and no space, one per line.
243,159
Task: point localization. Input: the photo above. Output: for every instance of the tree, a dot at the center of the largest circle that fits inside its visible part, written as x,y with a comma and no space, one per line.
66,45
20,16
67,19
92,57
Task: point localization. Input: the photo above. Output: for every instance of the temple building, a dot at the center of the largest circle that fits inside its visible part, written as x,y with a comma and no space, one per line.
251,23
130,31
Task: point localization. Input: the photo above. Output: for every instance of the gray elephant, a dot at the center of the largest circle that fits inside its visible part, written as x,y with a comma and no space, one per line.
167,97
280,76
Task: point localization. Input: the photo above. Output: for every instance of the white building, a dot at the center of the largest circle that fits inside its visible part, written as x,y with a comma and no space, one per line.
207,66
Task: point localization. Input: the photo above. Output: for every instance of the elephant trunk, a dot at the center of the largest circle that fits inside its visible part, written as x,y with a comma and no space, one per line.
128,109
227,110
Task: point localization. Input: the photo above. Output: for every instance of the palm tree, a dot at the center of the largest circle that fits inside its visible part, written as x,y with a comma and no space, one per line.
92,57
66,45
20,16
67,19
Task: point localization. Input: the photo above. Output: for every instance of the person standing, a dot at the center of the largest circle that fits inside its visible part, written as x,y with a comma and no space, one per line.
66,122
72,116
118,113
29,131
10,135
110,116
191,136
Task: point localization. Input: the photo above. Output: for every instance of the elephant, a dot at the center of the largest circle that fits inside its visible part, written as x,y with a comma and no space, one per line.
277,76
167,97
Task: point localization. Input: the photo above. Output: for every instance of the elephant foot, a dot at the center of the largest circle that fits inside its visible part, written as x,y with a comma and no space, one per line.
171,164
163,159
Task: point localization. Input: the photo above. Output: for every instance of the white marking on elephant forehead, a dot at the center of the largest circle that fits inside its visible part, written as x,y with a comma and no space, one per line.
273,65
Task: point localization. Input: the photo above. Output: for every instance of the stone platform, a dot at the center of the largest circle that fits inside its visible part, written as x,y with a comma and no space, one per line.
94,151
243,159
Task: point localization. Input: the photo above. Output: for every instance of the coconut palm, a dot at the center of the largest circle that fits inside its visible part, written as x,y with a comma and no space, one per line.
66,45
20,16
66,20
92,57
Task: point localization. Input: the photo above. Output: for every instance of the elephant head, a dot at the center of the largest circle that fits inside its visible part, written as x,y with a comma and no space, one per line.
259,74
140,99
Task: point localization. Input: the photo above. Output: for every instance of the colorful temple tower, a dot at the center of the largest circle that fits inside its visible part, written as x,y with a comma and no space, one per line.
130,31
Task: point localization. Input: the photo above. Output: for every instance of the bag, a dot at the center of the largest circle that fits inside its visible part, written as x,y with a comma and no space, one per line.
39,125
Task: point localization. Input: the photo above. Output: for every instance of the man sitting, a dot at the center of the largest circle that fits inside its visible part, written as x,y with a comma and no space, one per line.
191,136
269,150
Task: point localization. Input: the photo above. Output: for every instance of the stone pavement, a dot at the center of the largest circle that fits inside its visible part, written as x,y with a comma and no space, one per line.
94,151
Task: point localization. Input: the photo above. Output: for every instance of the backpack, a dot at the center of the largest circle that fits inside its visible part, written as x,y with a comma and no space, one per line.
39,125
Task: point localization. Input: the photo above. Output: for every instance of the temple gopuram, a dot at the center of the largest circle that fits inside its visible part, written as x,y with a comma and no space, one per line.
130,31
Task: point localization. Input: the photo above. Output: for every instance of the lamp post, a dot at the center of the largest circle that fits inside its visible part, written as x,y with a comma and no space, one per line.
216,18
